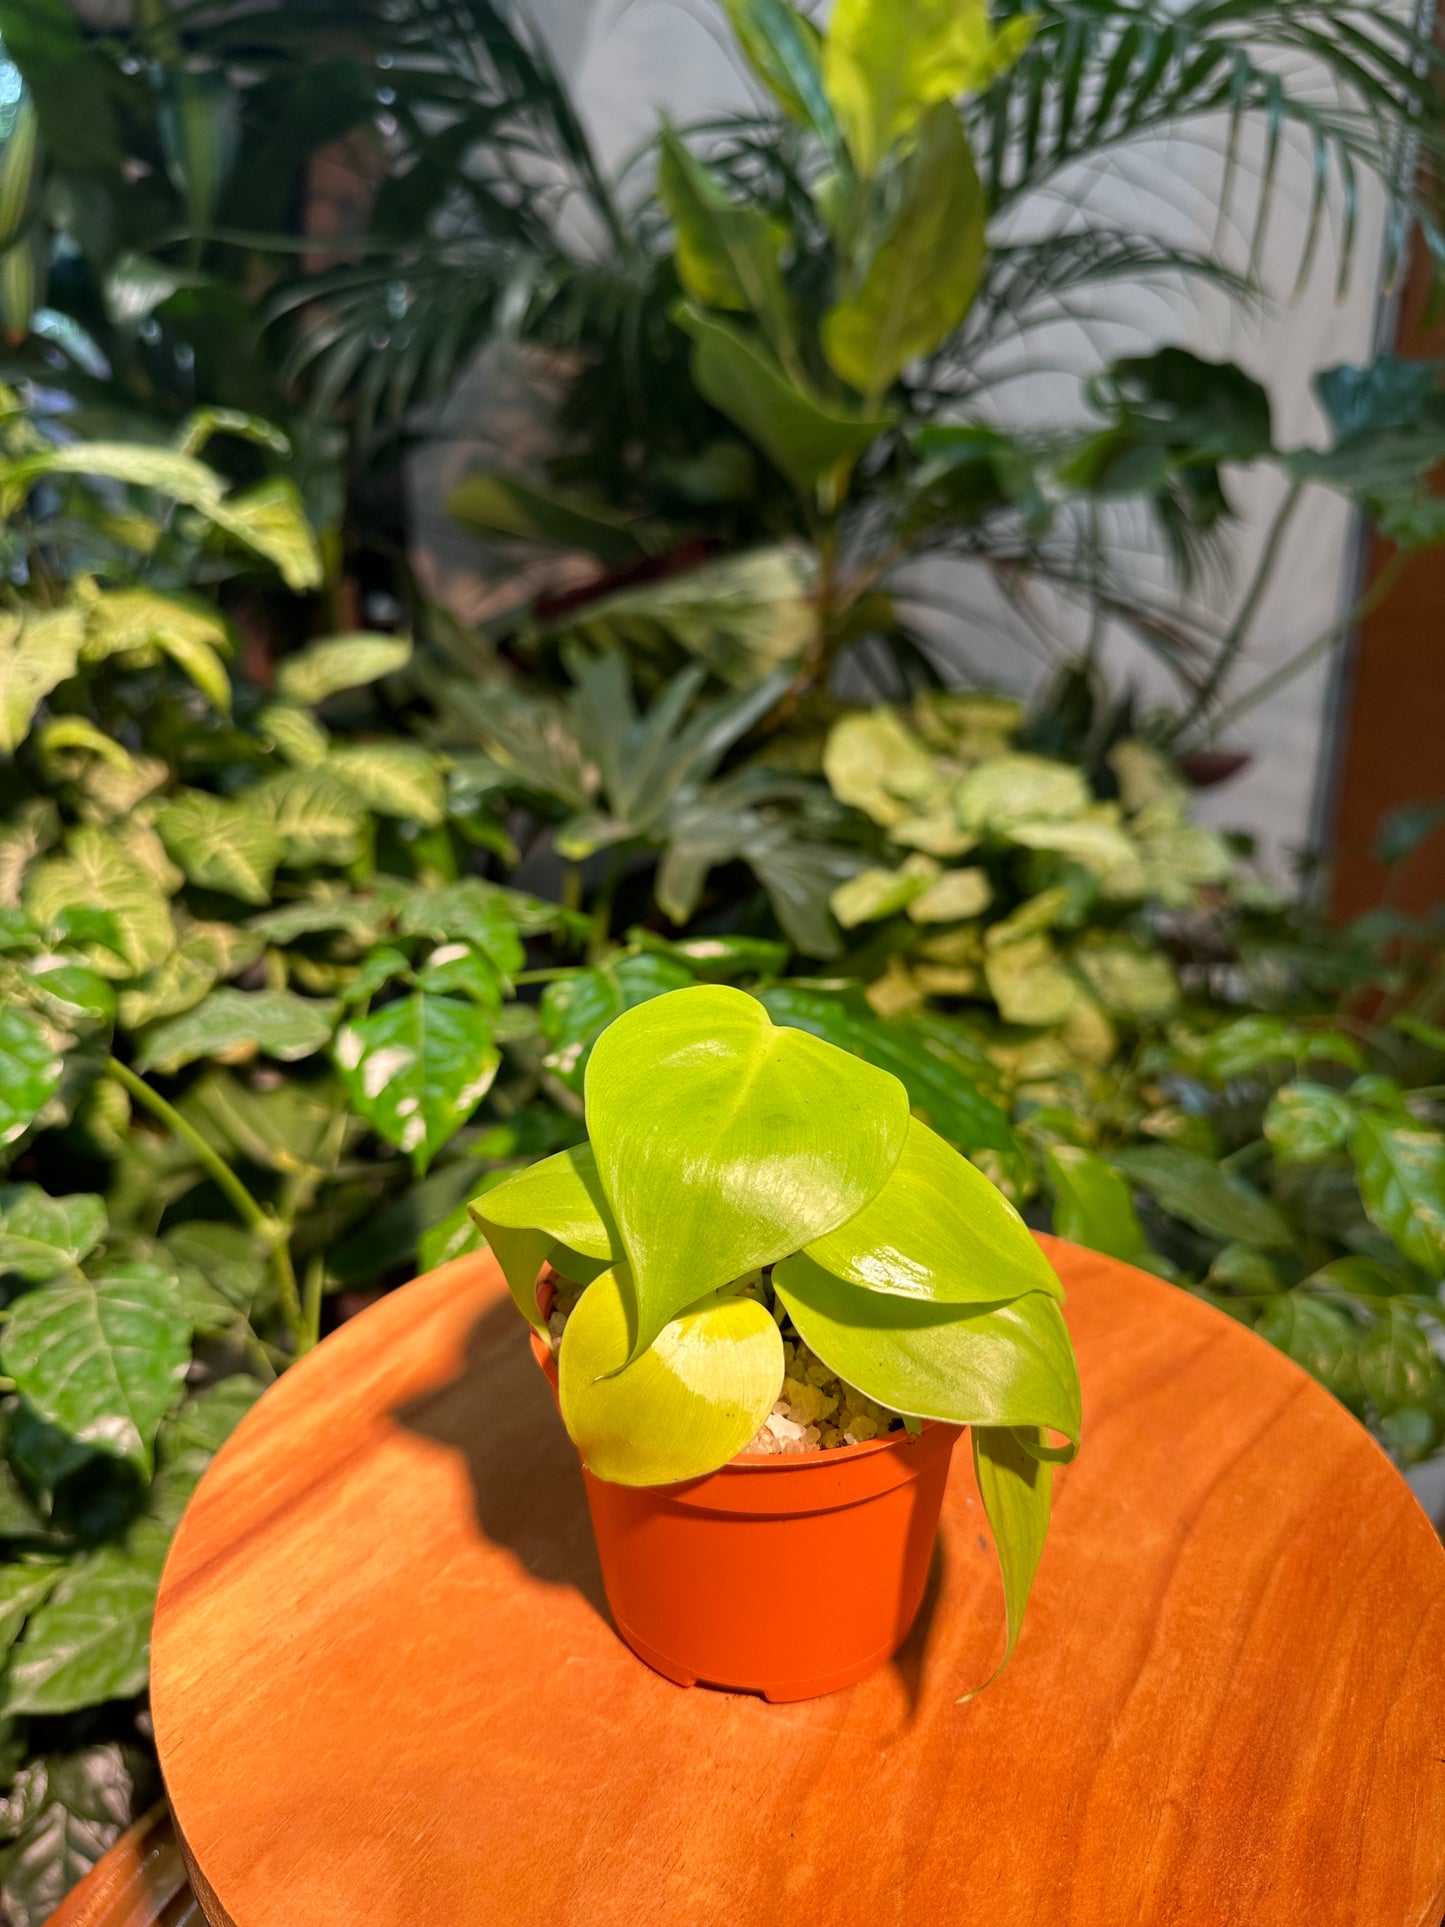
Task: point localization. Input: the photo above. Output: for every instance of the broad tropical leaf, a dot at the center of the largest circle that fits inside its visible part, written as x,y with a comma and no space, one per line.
693,1399
578,1008
558,1201
236,1024
724,1141
90,1641
37,651
222,843
417,1069
1094,1206
1214,1201
101,870
727,254
394,779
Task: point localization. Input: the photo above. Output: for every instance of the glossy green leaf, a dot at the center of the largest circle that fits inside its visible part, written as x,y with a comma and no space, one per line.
922,276
995,1365
1199,1191
82,1803
417,1069
1094,1206
505,505
1318,1336
340,662
222,1274
947,1078
222,843
724,1141
22,1588
578,1008
938,1231
1308,1121
688,1404
208,1417
102,1361
239,1023
801,435
1401,1173
450,1237
1396,1363
271,519
72,994
1017,1493
30,1069
557,1201
41,1236
37,651
395,779
318,817
90,1641
885,65
784,49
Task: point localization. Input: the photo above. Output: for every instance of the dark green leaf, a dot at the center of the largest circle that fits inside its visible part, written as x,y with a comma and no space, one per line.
503,505
577,1009
30,1070
1316,1335
1211,1199
417,1069
1093,1205
90,1642
1401,1174
1307,1121
237,1023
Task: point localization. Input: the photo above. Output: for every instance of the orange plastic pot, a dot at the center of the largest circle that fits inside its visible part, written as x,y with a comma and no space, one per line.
788,1577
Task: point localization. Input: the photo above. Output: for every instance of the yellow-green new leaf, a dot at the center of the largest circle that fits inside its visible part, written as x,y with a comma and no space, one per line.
341,662
938,1231
394,779
922,277
100,870
558,1201
884,65
997,1365
785,51
692,1401
271,520
803,437
1017,1492
727,254
222,843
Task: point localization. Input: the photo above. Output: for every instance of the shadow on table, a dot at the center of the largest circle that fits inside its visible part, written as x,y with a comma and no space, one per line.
526,1483
911,1660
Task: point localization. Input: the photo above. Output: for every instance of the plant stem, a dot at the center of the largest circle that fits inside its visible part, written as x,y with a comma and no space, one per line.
1234,641
271,1229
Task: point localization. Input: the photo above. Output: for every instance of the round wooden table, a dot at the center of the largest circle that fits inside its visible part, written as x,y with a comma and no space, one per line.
386,1691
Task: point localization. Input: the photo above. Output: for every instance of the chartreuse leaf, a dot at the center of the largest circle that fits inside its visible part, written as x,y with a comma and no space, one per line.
557,1201
784,49
341,662
801,435
691,1401
271,520
37,651
1017,1492
30,1069
395,779
922,277
938,1230
102,1361
726,253
100,871
417,1069
41,1236
885,65
991,1365
724,1141
1401,1174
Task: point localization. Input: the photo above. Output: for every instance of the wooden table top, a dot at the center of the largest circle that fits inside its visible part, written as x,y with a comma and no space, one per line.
385,1690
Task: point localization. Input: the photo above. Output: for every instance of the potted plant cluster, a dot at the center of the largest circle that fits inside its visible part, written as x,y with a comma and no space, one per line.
758,1226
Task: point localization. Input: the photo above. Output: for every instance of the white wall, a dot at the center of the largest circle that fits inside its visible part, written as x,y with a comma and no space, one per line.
629,59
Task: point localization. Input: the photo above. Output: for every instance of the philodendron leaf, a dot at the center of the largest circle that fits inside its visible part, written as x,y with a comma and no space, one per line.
938,1230
90,1641
923,276
417,1069
41,1236
801,435
222,843
1401,1174
341,662
724,1141
693,1399
996,1365
557,1201
237,1024
30,1069
1307,1121
101,1361
1017,1492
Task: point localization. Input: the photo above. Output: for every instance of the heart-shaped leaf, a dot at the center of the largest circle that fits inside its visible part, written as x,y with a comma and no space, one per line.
724,1141
692,1400
997,1365
1307,1121
417,1069
239,1023
938,1230
222,843
101,1361
557,1201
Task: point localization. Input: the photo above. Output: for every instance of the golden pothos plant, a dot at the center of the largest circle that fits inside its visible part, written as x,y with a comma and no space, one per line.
722,1146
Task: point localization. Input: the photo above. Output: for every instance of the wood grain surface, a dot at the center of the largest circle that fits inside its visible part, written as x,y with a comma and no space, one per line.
385,1690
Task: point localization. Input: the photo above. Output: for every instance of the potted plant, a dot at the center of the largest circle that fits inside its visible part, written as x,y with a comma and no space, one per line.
761,1233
